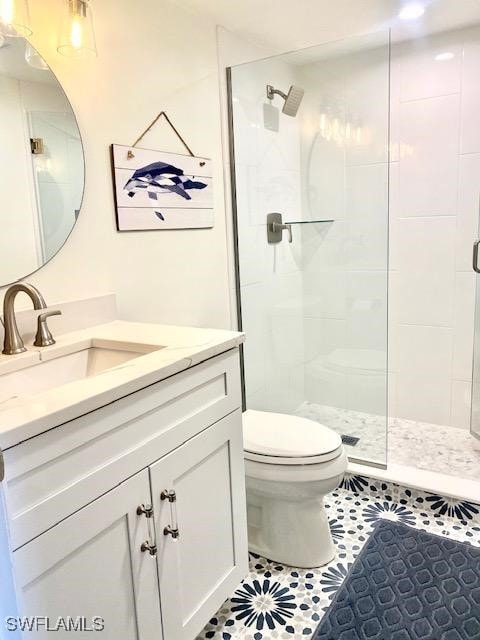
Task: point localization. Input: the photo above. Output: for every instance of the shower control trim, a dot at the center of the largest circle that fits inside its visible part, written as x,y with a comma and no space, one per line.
475,256
276,227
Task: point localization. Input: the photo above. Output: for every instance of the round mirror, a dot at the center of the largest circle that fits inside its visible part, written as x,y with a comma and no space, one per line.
42,176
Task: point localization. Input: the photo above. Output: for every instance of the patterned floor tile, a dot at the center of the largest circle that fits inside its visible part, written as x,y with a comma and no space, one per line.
277,602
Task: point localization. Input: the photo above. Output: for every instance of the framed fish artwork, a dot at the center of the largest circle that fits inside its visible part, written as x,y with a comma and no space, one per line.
159,190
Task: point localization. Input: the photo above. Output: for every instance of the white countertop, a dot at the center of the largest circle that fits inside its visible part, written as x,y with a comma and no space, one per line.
180,348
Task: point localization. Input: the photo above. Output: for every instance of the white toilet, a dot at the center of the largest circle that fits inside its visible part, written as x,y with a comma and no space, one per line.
291,463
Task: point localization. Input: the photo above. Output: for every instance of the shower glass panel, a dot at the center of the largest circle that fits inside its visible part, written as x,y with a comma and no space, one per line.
475,412
310,133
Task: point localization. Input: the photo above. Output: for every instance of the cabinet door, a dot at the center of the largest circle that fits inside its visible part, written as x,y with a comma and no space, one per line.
201,568
91,564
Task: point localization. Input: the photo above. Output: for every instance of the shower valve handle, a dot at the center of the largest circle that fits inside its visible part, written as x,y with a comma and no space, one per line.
281,227
275,228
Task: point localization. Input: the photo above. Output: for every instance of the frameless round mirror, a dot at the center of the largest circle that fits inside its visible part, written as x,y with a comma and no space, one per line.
42,163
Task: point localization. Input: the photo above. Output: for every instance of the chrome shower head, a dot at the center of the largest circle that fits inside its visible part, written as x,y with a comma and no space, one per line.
292,100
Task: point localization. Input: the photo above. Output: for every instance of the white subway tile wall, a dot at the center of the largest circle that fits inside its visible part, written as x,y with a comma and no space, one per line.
434,206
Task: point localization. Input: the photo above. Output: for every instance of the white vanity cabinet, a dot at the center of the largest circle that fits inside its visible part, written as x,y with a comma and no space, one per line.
135,513
196,492
91,565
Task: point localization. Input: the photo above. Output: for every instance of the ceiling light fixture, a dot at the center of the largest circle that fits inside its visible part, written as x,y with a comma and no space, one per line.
443,57
14,18
77,36
412,11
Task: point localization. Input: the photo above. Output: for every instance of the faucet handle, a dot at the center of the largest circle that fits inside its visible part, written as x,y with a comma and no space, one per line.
43,337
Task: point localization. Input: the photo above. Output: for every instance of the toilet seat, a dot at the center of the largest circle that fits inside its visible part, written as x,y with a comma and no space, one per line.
281,439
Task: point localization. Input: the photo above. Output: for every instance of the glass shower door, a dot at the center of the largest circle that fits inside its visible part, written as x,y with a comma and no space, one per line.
314,309
475,416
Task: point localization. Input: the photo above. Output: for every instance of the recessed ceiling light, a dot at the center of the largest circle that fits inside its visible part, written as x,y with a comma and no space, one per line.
412,11
442,57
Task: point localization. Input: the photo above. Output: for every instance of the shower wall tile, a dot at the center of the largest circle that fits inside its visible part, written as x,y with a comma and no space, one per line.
254,316
325,248
395,75
425,256
426,350
392,393
324,386
425,244
367,201
325,181
419,395
255,261
366,73
429,132
425,298
461,403
325,294
420,75
468,209
435,183
367,311
463,325
470,137
367,393
323,336
366,191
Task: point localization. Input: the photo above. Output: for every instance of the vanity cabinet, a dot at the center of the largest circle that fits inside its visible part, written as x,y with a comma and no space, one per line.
142,509
195,493
90,565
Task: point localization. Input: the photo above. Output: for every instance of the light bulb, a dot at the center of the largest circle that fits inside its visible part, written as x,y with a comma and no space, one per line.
77,36
14,18
76,33
6,11
412,11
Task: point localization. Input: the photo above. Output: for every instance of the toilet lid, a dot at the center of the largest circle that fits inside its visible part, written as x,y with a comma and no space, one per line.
286,439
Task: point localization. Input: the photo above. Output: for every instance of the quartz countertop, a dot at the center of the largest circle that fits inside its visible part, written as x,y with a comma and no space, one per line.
176,349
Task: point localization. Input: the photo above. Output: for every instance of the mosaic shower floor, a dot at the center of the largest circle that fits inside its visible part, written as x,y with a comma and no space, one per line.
416,444
280,602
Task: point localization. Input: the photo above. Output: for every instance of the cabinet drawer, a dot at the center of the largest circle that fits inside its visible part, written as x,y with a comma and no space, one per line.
53,475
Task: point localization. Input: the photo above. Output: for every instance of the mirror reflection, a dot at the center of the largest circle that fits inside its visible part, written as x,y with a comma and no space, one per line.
42,163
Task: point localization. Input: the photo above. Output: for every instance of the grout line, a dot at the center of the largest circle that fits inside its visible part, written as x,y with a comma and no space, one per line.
434,97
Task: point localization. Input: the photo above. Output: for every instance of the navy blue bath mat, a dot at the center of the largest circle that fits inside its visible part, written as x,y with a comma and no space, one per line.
407,585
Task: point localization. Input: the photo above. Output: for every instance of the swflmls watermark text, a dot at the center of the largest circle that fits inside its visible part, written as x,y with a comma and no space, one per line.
62,623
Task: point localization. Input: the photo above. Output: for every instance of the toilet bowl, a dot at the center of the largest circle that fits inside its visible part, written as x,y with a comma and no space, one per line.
291,463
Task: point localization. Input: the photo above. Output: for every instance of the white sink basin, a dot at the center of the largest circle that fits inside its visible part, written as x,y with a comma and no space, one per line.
83,360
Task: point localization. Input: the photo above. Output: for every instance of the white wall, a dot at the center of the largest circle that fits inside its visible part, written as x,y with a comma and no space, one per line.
159,57
435,189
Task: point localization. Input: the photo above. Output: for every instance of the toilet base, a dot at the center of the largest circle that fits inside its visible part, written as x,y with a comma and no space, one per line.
290,532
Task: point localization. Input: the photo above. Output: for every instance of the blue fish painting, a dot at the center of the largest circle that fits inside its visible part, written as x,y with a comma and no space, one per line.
160,177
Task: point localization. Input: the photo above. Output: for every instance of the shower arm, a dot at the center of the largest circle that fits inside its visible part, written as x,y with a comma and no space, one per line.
272,92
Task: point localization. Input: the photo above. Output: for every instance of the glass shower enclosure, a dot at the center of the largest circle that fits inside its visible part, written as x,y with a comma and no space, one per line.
310,158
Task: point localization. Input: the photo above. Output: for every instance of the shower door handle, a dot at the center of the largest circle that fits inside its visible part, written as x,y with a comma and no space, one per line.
475,256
